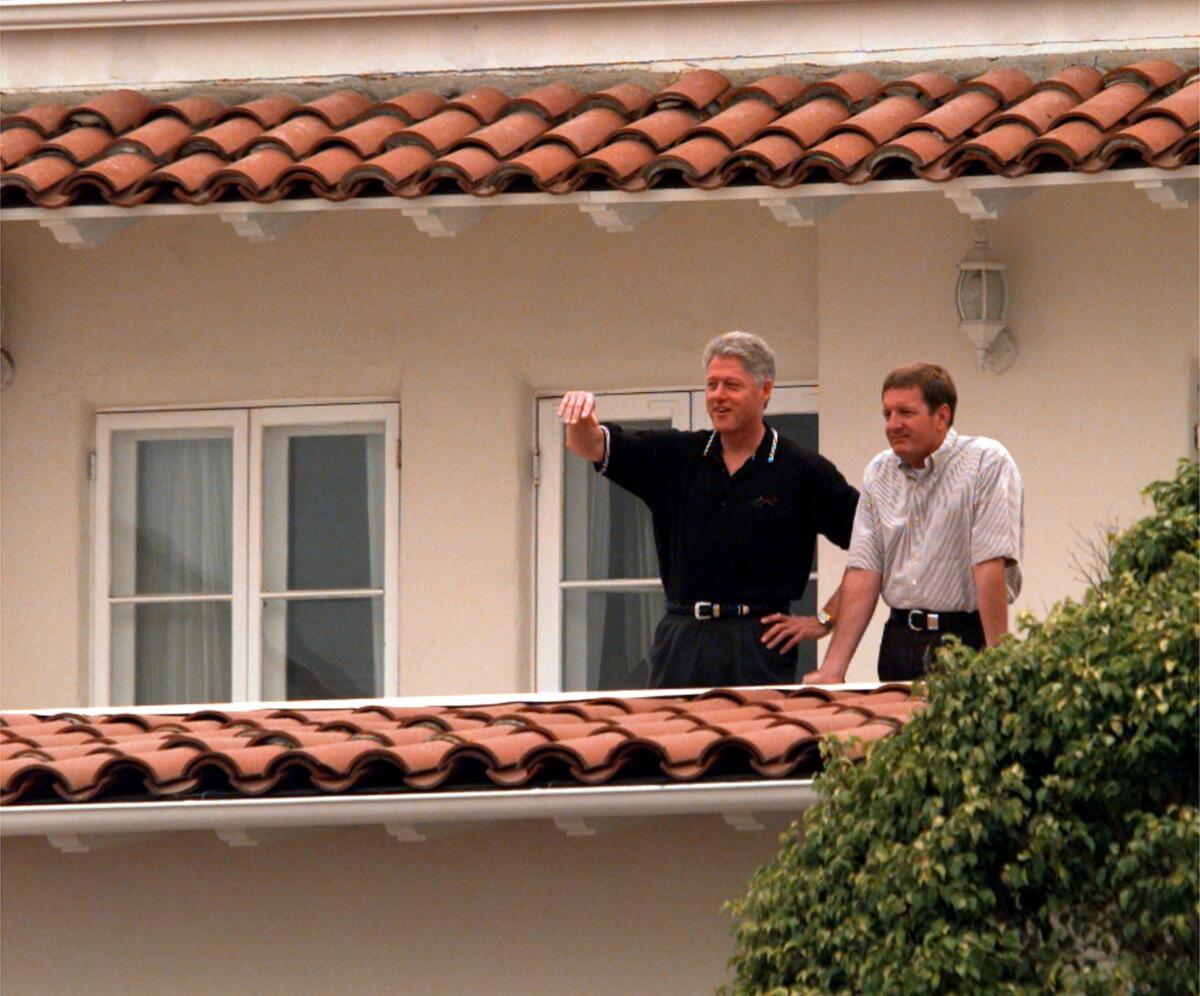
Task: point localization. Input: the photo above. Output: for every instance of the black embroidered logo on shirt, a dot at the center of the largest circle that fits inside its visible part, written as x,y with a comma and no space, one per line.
765,501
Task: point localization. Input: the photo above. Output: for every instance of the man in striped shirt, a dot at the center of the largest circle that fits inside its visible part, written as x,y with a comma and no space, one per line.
939,532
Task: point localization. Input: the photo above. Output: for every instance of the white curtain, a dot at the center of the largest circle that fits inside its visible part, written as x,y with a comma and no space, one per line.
184,547
620,626
375,455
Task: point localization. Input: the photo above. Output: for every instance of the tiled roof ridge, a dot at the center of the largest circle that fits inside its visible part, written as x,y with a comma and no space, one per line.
701,130
600,740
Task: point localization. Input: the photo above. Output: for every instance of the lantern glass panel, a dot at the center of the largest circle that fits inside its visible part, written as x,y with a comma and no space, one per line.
969,295
996,294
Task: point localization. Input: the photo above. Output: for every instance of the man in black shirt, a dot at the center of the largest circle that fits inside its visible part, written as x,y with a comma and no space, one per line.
736,511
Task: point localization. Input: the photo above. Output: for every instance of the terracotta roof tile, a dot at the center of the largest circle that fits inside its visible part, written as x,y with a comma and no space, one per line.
1006,84
416,105
1153,73
662,128
335,109
1108,107
391,169
551,101
510,134
80,145
1183,107
118,110
441,131
773,733
267,111
779,91
585,132
156,139
367,138
778,131
228,139
297,136
853,88
1081,81
625,98
737,123
698,89
197,111
17,143
932,85
485,103
46,118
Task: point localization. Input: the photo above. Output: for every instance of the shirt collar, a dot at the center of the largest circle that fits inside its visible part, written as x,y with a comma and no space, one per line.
935,459
767,447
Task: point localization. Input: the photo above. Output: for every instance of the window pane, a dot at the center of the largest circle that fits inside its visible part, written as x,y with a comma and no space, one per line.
322,648
607,637
172,512
323,492
168,653
607,532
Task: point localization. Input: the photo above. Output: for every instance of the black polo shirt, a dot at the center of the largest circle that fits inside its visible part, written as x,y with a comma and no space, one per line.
745,539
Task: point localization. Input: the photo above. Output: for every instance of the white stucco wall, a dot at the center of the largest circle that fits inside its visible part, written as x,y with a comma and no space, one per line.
1102,398
177,45
464,332
502,908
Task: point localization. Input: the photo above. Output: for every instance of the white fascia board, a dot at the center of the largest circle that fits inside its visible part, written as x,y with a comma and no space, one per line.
413,808
35,15
680,195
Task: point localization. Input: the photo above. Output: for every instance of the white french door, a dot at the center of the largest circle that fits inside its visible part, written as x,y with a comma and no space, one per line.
598,592
598,589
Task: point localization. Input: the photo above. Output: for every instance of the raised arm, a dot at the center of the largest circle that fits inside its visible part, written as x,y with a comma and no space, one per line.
584,435
859,593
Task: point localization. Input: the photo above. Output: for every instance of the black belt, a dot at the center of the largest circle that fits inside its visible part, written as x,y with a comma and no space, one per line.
924,621
722,610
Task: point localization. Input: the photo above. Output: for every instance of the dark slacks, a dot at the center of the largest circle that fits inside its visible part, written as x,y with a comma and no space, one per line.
904,653
707,653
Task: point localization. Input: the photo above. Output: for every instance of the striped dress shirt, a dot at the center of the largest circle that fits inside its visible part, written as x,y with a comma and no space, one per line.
924,530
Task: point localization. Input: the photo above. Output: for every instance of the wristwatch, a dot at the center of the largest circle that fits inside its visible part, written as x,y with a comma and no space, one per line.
825,619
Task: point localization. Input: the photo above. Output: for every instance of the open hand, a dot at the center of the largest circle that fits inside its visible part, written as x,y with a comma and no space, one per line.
578,407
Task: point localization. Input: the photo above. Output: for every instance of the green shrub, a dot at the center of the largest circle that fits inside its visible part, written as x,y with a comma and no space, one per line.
1035,828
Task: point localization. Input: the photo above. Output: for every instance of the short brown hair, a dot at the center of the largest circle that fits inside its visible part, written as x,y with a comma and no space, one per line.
936,384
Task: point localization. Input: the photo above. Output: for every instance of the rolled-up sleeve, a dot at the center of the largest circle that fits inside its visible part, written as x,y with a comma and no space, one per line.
866,543
998,523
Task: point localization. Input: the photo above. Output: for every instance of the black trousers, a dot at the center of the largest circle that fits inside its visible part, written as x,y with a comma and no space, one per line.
708,653
904,653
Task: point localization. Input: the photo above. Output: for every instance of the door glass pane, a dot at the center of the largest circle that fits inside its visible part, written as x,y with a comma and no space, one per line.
323,492
799,427
607,637
177,652
172,512
607,532
322,648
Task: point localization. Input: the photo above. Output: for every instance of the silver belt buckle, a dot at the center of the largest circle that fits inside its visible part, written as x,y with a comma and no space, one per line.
931,621
698,610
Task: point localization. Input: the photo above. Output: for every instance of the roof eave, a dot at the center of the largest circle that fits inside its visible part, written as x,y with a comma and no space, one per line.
69,826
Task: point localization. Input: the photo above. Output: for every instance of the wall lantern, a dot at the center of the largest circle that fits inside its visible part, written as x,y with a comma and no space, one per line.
982,298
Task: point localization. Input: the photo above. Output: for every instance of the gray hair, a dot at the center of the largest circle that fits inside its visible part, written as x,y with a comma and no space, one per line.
757,357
